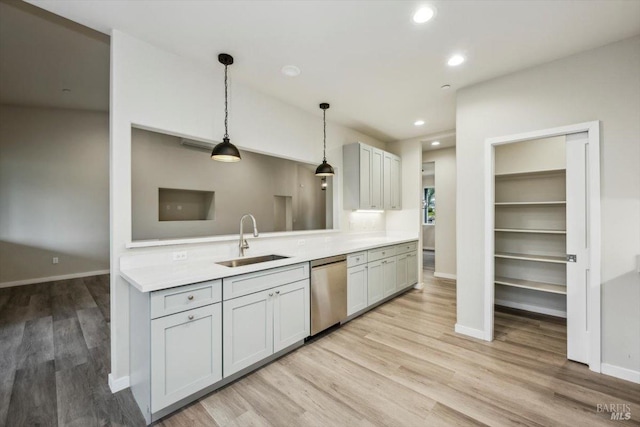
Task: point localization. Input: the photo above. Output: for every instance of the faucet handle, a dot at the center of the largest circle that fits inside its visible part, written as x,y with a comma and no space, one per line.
245,244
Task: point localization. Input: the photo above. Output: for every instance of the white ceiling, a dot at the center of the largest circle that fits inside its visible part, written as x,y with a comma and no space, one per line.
41,54
378,69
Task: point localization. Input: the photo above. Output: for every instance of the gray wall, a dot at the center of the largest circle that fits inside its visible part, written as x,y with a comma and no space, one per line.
54,192
601,84
248,186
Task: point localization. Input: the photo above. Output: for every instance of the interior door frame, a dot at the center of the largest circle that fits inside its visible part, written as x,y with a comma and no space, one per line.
593,184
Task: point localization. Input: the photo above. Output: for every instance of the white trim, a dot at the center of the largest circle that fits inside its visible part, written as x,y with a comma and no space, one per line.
118,384
594,308
532,308
474,333
53,278
622,373
445,276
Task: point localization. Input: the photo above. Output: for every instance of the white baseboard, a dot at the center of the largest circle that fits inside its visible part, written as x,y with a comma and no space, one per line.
53,278
474,333
118,384
622,373
445,276
532,308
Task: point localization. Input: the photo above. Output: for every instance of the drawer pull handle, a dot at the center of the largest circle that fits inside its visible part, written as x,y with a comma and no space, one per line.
277,292
190,297
271,294
191,317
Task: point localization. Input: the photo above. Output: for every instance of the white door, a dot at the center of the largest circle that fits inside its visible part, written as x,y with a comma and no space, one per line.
402,277
248,330
578,246
412,269
389,276
374,282
291,320
356,289
366,157
186,354
376,179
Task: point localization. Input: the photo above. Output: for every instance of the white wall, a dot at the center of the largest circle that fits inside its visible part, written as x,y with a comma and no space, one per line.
600,84
445,229
158,90
53,193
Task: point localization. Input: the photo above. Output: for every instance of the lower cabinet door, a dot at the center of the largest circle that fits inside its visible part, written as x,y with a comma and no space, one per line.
248,330
291,315
389,276
412,269
186,354
374,282
402,279
356,289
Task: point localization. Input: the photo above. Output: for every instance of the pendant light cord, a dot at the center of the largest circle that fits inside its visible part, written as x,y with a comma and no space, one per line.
226,111
324,151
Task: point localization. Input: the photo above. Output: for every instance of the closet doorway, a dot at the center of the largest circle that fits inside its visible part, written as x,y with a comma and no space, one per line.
542,231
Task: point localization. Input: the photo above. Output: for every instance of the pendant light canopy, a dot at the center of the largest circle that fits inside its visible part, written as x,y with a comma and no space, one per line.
324,169
225,151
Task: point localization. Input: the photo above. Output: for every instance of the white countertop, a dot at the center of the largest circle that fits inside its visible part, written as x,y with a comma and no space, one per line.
178,273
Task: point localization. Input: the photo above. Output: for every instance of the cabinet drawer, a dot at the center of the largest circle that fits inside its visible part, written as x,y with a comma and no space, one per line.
356,259
175,300
376,254
406,248
246,284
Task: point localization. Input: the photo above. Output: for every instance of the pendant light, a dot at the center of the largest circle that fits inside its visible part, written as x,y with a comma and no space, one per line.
324,169
225,151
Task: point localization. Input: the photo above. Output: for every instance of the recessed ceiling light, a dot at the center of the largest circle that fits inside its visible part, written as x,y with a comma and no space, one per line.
418,123
445,87
455,60
290,70
423,14
435,143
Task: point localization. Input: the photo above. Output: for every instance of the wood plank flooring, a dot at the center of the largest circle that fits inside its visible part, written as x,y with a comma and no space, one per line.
398,365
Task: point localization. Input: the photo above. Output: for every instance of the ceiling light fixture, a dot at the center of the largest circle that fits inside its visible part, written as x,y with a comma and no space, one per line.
445,87
225,151
324,169
418,123
423,15
290,71
455,60
435,143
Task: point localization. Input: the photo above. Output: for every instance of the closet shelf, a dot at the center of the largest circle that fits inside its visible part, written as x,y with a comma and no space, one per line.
531,174
522,230
533,285
549,203
525,257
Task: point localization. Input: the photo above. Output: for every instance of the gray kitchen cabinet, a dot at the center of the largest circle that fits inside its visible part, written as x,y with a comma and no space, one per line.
291,320
392,189
412,269
402,271
389,278
357,288
375,290
363,176
186,354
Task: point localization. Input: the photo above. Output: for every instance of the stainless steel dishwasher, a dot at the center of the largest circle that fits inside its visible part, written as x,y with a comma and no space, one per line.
328,292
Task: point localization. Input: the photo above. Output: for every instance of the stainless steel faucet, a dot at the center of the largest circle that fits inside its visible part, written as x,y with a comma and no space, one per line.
243,243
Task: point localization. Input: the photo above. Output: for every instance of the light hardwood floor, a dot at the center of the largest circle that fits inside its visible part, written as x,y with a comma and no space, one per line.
399,365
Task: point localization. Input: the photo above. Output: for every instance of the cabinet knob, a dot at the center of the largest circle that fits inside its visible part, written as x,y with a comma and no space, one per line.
357,259
277,292
271,294
383,253
191,317
190,297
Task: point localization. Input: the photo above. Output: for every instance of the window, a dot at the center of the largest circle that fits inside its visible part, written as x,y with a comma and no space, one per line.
429,205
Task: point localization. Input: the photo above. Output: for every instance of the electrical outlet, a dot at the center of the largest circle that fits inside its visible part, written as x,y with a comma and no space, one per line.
55,260
179,256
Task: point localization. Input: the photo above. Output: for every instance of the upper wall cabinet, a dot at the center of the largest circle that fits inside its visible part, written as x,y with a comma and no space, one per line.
371,178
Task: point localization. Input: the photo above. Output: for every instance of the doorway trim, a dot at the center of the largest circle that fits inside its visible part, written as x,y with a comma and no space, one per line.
593,184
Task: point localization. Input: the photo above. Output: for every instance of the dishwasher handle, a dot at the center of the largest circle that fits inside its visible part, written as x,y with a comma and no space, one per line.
327,261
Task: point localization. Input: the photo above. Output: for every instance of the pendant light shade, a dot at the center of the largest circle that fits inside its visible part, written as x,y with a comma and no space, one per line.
324,169
226,151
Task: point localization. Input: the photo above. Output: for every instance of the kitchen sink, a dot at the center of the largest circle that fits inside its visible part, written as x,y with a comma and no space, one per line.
239,262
